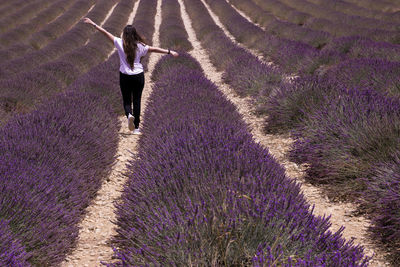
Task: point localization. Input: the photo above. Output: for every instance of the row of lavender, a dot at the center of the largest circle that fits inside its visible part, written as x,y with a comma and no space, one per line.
306,16
42,43
354,46
53,161
212,199
283,29
349,8
23,14
56,158
346,124
306,39
57,65
381,5
355,61
22,40
11,6
21,32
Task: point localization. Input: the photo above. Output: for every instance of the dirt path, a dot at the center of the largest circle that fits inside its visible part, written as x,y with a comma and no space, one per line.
97,228
278,145
230,36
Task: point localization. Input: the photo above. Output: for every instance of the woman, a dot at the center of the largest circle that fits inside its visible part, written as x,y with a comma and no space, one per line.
130,50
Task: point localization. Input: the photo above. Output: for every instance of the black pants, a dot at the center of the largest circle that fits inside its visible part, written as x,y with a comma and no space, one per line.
131,89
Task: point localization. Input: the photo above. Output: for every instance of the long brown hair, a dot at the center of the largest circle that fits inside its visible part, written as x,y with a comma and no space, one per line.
130,39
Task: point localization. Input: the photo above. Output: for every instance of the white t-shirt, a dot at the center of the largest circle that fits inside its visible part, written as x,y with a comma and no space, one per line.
124,66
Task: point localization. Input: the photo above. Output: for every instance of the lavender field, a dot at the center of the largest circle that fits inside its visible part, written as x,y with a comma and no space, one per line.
272,140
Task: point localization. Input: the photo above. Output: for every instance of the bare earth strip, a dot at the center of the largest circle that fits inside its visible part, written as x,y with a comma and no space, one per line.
278,145
97,229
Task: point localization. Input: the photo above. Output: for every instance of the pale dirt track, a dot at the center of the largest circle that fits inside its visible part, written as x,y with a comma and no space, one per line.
97,228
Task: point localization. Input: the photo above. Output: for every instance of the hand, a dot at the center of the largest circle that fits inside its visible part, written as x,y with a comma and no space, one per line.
175,54
89,21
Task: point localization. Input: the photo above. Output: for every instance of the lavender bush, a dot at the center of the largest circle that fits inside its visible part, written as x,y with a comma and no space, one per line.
293,102
253,77
164,65
288,30
58,27
282,11
23,31
280,28
379,75
334,117
378,50
341,140
53,163
73,39
226,13
384,198
289,55
258,15
214,199
172,23
323,11
23,15
12,253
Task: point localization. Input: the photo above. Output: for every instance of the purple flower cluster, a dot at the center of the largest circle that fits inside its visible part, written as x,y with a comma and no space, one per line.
53,161
378,50
283,29
384,198
165,65
376,74
177,37
361,47
12,253
202,192
342,139
287,108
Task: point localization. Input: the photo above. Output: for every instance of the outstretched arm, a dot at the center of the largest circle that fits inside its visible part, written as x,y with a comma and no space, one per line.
162,51
100,29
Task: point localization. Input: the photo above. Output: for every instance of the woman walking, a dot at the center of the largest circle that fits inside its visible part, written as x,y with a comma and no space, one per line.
131,48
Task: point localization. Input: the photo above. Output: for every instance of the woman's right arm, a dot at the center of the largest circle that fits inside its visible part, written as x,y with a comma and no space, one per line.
102,30
162,51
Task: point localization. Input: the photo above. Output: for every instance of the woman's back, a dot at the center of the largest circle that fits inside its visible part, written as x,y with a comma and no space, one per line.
125,68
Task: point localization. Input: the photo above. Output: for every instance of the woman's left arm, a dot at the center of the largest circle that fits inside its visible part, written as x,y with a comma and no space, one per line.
162,51
100,29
